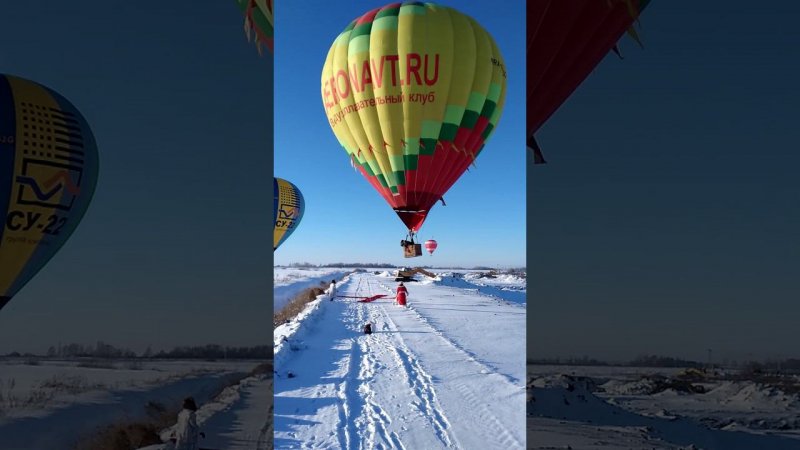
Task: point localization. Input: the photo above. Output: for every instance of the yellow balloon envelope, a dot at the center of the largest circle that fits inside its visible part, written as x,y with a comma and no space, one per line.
412,92
48,173
288,207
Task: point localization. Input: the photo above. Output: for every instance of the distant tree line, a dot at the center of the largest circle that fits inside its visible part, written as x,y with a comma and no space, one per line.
571,361
791,365
306,265
217,352
102,350
663,361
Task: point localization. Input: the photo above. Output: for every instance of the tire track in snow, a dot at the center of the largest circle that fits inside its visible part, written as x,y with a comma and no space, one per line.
500,436
487,368
374,421
352,400
370,423
342,409
368,435
421,384
377,418
348,394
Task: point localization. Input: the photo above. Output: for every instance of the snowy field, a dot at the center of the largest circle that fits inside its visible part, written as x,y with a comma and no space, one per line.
614,408
47,404
447,371
509,287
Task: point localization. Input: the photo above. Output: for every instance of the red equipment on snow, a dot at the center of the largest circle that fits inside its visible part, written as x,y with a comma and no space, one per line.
364,299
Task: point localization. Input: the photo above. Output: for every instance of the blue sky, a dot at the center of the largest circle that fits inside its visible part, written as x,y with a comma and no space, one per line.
666,221
345,219
667,218
175,247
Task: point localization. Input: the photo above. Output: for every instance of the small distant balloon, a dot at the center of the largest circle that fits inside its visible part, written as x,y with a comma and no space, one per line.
48,173
430,246
288,207
258,21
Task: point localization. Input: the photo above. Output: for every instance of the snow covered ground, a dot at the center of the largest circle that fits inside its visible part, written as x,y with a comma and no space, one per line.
52,404
506,286
620,408
237,419
445,372
289,281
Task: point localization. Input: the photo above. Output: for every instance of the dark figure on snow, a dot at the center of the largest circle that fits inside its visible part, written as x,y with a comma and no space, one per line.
332,289
187,432
368,328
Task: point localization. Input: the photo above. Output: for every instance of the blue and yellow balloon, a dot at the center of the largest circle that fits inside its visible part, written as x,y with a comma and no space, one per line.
287,207
48,173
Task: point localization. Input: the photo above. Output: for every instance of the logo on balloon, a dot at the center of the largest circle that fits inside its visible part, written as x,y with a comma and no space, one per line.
48,184
289,212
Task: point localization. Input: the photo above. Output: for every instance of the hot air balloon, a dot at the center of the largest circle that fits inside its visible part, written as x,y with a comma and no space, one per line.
412,92
430,246
48,173
258,21
566,40
288,207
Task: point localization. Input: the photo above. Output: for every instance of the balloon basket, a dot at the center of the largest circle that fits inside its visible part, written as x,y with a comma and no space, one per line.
412,250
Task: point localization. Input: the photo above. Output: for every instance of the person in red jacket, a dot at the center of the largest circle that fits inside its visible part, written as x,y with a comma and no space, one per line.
402,293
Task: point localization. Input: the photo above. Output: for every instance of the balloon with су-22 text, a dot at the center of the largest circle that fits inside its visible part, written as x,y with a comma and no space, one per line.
48,173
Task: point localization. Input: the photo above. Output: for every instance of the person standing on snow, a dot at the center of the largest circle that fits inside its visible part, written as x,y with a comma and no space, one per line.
187,433
332,289
401,295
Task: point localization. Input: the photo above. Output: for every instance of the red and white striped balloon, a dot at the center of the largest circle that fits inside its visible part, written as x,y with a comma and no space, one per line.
430,245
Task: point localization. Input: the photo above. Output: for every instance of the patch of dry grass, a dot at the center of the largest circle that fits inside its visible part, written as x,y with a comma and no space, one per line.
266,368
131,435
296,304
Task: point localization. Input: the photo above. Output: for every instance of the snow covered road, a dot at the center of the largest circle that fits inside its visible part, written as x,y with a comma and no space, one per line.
446,372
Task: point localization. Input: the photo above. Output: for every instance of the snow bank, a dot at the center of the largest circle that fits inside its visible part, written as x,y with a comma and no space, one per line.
496,279
513,293
288,282
221,402
750,394
289,336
